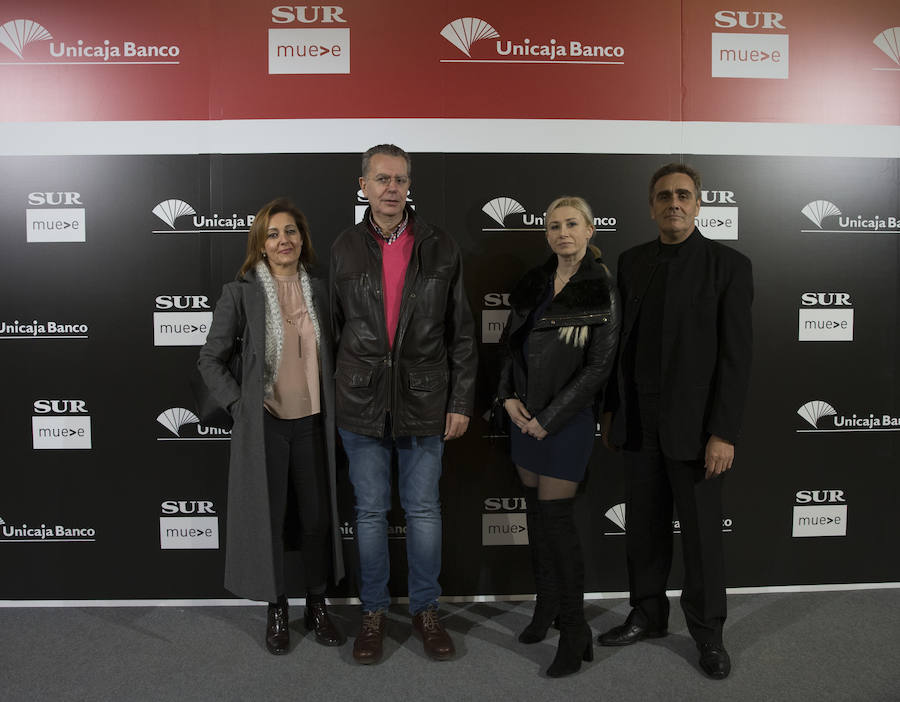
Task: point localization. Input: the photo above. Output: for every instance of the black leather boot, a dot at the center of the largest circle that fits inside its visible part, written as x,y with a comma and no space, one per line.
277,630
546,606
575,638
316,618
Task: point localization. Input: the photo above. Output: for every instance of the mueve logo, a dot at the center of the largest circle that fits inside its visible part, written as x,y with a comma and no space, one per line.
749,55
718,218
309,51
503,522
465,32
815,412
45,533
819,513
60,424
184,425
889,42
506,211
53,217
817,210
186,327
46,329
494,317
825,316
171,210
15,35
182,527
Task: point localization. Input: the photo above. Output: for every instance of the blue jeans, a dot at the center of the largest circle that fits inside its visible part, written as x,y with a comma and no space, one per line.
419,464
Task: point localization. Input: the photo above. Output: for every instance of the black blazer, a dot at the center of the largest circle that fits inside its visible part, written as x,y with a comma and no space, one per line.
706,345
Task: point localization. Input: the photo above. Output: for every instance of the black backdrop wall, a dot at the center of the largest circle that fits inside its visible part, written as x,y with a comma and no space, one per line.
112,265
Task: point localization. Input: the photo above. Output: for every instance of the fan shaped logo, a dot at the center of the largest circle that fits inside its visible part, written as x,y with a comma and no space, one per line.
818,211
889,42
616,514
815,413
464,33
169,211
507,212
17,34
184,425
362,203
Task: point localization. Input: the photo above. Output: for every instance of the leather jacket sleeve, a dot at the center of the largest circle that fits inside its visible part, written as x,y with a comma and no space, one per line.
590,379
462,354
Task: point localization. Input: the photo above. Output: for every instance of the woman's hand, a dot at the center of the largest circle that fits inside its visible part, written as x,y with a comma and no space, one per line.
517,412
533,428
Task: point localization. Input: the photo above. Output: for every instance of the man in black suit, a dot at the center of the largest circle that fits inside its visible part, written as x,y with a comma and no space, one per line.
676,408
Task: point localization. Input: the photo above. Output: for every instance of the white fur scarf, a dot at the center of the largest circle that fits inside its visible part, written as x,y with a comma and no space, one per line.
275,322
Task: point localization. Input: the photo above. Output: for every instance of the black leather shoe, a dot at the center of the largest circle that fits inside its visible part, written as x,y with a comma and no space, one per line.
316,618
277,631
628,633
714,660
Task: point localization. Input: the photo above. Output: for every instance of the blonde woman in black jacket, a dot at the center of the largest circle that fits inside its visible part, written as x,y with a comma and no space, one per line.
560,341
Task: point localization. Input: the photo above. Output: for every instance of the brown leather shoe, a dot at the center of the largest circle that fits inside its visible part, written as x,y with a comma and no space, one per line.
437,642
368,645
316,618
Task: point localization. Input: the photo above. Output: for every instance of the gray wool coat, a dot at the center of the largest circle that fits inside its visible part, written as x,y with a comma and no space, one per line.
241,312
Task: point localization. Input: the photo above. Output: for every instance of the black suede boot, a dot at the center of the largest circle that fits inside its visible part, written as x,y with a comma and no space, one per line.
277,629
546,606
575,639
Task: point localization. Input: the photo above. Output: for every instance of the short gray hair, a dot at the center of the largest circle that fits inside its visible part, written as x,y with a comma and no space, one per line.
386,150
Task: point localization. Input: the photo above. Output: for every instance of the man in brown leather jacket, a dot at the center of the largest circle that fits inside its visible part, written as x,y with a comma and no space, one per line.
405,382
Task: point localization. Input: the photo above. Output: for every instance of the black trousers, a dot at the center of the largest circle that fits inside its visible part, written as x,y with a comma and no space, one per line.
653,482
295,467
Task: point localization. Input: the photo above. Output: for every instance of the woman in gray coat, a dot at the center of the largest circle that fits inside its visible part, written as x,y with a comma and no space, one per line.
282,443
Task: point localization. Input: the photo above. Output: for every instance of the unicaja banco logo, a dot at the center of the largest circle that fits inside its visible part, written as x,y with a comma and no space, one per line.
170,210
616,514
814,410
15,35
500,208
177,419
817,210
889,42
464,32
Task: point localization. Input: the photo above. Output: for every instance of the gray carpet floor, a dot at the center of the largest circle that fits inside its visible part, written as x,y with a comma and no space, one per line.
817,646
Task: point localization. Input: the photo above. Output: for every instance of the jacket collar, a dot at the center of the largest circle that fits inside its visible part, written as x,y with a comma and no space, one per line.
587,287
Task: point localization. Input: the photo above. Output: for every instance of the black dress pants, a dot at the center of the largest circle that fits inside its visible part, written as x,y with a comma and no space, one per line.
295,467
653,482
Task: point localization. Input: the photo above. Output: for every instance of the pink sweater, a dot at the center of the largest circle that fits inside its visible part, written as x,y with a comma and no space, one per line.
394,262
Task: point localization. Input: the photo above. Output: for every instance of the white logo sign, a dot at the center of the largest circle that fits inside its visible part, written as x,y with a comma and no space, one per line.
60,424
187,530
889,42
503,522
184,425
308,51
57,220
749,55
817,211
45,533
825,316
817,412
820,513
188,328
464,32
508,212
36,329
616,515
17,34
171,210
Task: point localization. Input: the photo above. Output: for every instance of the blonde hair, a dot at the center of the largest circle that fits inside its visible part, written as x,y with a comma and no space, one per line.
584,209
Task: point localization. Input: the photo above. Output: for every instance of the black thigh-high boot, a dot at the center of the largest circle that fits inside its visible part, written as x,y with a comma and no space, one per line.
546,605
575,640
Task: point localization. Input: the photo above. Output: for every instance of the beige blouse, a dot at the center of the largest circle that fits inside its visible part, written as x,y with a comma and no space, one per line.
296,391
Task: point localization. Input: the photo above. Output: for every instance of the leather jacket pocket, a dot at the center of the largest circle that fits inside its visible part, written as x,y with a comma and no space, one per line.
354,391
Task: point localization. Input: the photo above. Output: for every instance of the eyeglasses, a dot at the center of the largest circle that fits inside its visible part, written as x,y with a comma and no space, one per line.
385,180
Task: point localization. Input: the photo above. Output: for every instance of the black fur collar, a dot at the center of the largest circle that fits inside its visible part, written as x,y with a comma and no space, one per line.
587,289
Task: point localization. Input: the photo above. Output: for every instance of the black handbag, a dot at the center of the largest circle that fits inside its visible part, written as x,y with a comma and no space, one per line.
209,411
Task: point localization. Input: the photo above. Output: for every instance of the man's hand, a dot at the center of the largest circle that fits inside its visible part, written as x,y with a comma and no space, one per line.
605,429
455,426
719,456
